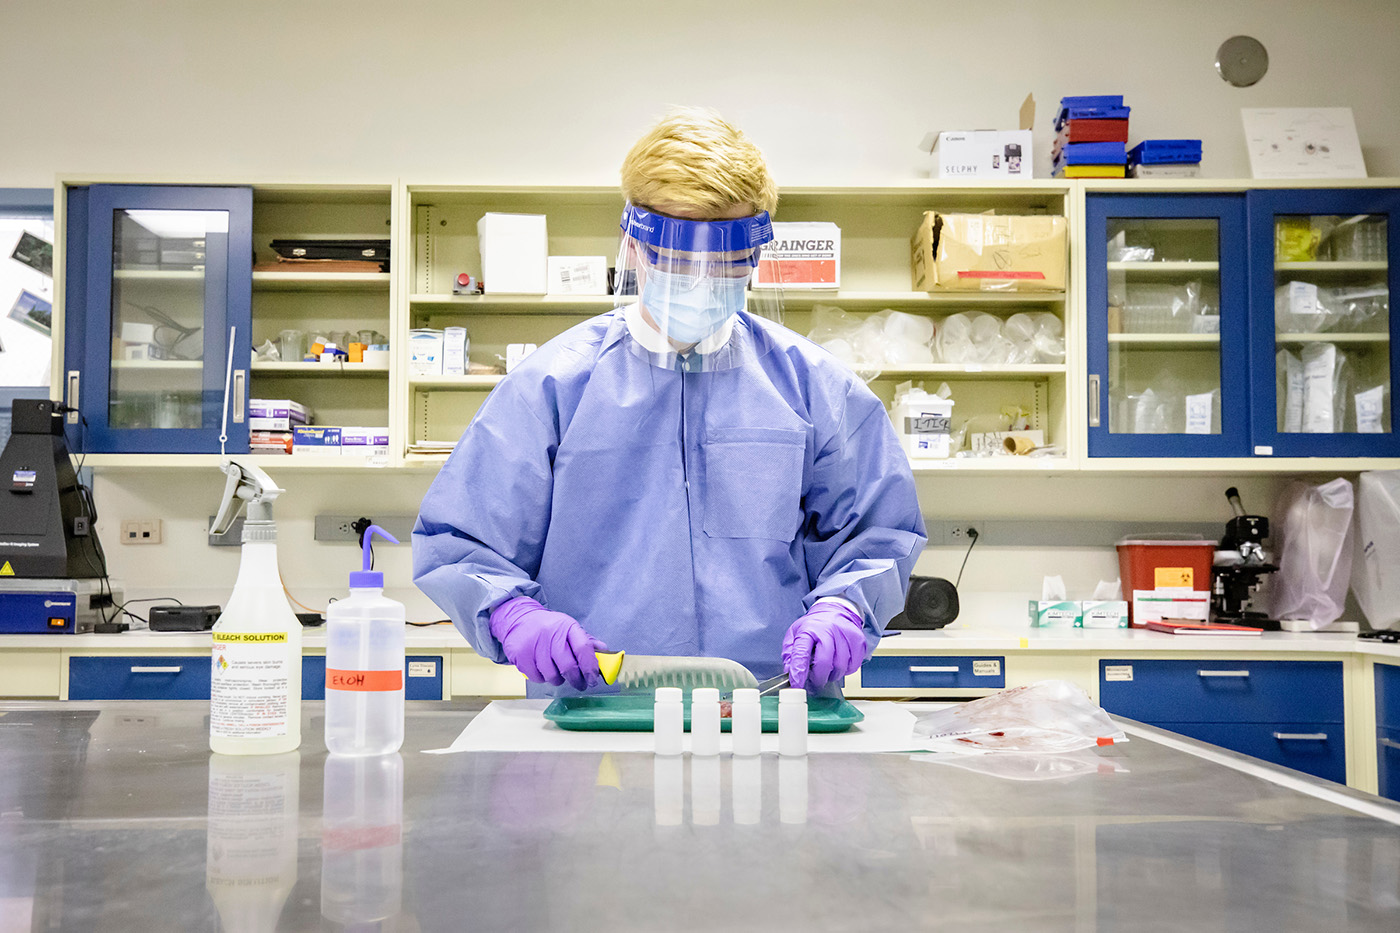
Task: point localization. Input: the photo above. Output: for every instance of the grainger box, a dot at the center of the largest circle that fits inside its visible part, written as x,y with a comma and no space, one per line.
802,255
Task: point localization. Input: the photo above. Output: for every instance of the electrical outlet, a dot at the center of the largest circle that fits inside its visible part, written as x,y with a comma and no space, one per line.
141,531
963,533
341,527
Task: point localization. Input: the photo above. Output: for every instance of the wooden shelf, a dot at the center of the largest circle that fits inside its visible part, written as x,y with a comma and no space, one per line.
320,281
1173,269
1352,339
1165,341
1326,266
158,275
318,370
581,305
454,382
157,366
875,301
972,370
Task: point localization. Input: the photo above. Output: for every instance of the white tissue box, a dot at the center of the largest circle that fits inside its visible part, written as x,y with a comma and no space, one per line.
1047,612
1103,613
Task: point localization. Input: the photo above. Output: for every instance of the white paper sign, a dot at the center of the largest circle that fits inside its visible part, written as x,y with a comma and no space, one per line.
1303,142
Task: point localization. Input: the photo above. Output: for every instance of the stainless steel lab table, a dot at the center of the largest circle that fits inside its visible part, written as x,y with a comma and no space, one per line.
113,816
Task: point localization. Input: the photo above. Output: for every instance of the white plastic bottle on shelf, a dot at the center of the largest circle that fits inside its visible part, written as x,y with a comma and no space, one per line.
704,722
746,722
364,664
668,721
255,681
792,722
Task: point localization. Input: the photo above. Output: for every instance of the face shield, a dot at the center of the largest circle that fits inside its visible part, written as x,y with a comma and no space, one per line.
691,279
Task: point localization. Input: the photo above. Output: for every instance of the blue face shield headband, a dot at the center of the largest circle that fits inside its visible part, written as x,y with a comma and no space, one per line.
694,272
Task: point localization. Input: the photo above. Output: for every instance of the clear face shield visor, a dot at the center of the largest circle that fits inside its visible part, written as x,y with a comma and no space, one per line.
692,276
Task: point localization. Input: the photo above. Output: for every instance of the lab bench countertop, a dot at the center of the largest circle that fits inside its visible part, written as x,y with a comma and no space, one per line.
116,816
957,637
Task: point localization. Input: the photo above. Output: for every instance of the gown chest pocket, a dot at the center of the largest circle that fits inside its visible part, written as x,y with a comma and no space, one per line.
753,482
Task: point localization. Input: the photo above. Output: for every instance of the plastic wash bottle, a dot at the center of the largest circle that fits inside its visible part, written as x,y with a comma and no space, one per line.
364,664
255,683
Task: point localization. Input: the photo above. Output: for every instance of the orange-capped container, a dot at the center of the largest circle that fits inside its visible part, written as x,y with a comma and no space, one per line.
1154,564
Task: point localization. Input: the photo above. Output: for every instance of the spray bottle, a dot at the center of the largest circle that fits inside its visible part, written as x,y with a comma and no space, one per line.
255,684
364,664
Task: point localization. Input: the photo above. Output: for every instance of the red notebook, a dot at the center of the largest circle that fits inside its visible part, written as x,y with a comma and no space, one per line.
1203,628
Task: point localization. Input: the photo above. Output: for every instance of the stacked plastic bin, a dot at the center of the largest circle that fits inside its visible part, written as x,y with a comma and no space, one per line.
1091,137
1165,158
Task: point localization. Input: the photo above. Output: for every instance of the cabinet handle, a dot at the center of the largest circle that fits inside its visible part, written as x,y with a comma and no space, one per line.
1222,673
156,670
75,377
1388,743
1093,400
240,377
1301,736
917,669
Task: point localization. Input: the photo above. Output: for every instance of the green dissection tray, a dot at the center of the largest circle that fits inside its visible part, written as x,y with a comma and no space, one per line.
632,713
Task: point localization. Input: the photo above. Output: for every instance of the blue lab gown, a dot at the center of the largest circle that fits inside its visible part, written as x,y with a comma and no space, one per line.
673,513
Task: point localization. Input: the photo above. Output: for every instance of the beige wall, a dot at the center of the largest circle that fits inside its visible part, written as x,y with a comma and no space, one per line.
554,92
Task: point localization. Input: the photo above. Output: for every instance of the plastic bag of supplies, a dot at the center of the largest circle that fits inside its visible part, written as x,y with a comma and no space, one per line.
1046,716
1375,574
1313,539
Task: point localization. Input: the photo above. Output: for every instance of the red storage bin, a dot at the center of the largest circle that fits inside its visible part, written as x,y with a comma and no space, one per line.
1151,564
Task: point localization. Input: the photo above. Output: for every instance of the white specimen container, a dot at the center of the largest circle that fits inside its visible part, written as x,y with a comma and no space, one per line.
668,721
704,721
792,722
746,722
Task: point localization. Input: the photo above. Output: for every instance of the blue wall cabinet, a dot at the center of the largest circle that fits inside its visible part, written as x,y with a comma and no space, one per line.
157,279
1168,325
1242,325
1323,346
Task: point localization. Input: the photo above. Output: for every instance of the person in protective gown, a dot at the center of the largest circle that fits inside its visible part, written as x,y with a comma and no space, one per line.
681,475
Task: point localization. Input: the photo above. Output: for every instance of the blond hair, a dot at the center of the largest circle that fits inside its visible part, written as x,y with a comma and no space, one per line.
693,157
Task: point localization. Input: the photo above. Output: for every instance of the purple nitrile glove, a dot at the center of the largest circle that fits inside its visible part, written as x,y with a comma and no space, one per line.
823,646
547,647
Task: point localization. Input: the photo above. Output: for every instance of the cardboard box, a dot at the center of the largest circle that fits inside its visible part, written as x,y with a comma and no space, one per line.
989,252
276,414
315,441
514,253
456,347
1047,612
1103,613
983,154
802,256
364,442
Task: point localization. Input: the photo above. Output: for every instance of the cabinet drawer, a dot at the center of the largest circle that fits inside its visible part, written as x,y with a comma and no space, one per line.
1388,763
1387,696
1315,749
1223,691
139,678
913,671
422,677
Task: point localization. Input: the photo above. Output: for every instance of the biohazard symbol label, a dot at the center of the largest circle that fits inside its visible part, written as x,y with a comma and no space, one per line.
7,570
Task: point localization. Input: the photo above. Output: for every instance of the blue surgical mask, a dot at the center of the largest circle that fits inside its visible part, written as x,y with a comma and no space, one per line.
691,308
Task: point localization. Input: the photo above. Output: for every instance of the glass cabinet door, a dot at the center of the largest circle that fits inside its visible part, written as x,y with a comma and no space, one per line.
1167,353
1322,345
169,272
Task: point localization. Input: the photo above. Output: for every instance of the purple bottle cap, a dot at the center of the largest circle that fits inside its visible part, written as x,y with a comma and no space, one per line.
364,577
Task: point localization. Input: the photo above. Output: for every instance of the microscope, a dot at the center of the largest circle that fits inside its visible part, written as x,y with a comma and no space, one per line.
1240,564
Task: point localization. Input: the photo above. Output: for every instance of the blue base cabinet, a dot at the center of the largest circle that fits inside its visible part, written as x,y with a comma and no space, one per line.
1286,712
1387,678
186,677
